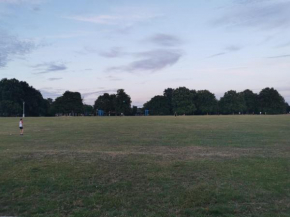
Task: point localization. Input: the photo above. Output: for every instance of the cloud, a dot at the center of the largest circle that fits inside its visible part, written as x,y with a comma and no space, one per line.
233,48
229,49
113,53
165,40
11,46
49,92
100,92
54,79
281,56
216,55
119,19
21,1
90,97
261,14
151,61
113,78
36,8
49,67
284,45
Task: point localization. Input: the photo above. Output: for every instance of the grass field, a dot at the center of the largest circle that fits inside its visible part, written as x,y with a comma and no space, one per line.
146,166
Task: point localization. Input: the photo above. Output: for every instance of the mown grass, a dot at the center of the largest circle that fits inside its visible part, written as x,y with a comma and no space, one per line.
146,166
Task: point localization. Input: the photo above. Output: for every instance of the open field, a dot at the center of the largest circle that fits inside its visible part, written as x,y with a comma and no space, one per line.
146,166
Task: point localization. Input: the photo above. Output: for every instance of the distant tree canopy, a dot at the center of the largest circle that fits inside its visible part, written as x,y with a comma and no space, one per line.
88,110
232,103
168,93
271,102
206,102
158,105
12,95
251,100
185,101
287,107
114,103
68,103
106,102
180,100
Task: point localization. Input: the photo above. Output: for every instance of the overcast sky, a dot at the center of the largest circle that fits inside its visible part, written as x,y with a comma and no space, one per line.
97,46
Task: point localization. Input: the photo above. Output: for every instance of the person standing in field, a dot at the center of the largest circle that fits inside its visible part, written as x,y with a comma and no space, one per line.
21,126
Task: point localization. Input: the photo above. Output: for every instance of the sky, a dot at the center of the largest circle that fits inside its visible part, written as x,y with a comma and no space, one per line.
144,47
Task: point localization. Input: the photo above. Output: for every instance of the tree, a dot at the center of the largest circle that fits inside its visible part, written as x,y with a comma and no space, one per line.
123,103
134,110
251,100
287,108
232,102
168,93
69,103
12,95
206,102
106,102
9,108
50,101
88,110
271,102
158,105
182,101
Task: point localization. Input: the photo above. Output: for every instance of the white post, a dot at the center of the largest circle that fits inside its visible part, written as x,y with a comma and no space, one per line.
23,109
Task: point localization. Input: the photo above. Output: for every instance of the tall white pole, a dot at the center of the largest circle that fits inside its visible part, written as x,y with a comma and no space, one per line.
23,109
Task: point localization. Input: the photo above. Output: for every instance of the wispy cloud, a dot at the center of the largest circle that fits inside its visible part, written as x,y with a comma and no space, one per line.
233,48
165,40
49,67
99,92
90,97
113,78
49,92
54,79
216,55
113,53
281,56
151,61
119,19
262,14
228,49
21,1
287,44
67,35
11,46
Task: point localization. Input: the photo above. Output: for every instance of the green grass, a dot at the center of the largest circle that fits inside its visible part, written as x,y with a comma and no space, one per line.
146,166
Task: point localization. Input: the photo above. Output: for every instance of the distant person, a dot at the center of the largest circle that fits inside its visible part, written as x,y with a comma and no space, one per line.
21,126
175,114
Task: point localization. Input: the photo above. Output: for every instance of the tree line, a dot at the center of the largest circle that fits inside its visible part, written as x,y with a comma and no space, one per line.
191,102
180,101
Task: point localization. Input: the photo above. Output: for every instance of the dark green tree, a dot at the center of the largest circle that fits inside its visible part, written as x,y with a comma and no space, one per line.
106,102
158,105
68,103
14,93
182,101
9,108
123,103
88,110
168,93
287,108
271,102
232,103
206,102
251,100
134,110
